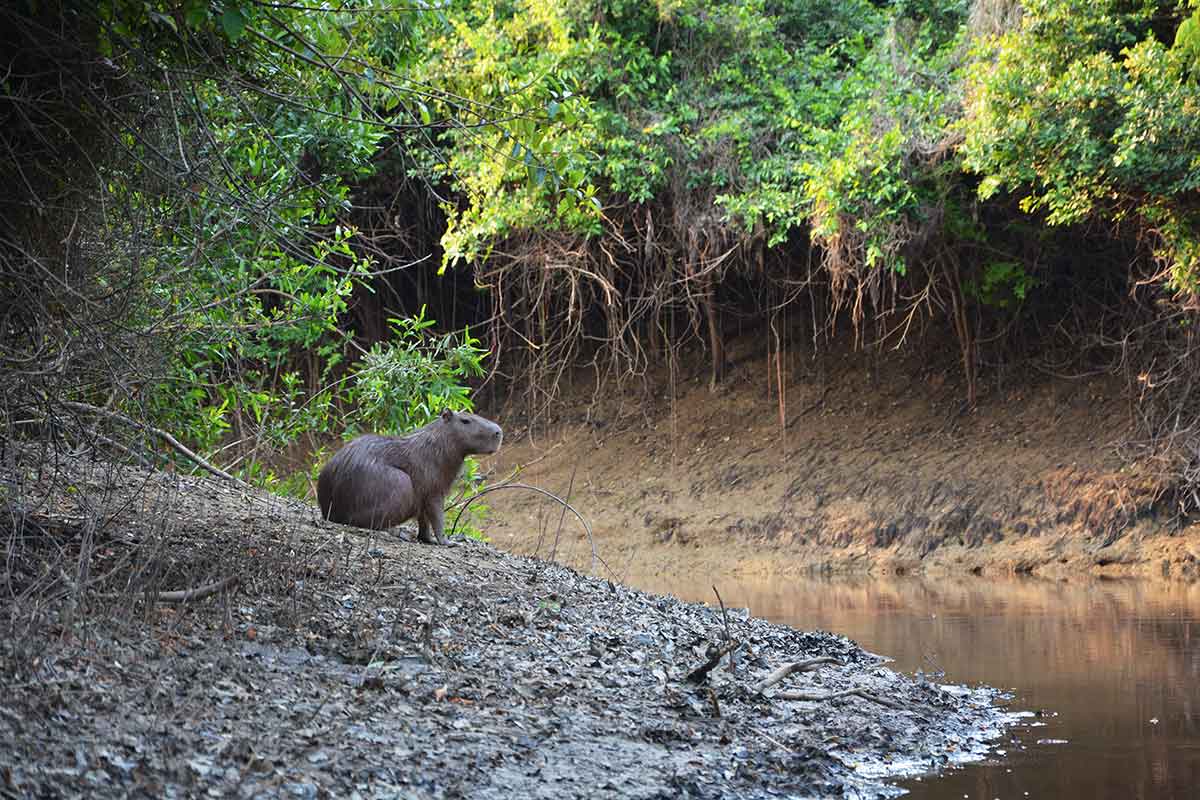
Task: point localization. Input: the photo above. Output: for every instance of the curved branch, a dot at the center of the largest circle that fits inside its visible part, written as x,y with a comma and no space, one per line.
174,443
587,528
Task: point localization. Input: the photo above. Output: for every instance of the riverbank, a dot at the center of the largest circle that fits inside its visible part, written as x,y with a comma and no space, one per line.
866,465
344,664
1109,664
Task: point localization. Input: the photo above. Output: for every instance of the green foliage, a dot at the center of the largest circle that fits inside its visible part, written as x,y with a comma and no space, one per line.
1085,111
758,120
1187,43
784,116
1002,284
465,514
262,118
406,382
523,164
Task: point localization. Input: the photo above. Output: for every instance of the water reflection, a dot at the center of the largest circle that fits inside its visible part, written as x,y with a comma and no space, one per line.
1116,666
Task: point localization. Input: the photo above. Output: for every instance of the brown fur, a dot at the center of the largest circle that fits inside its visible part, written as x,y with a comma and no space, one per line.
380,481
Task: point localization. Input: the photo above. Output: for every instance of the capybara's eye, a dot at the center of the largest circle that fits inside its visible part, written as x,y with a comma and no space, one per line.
465,420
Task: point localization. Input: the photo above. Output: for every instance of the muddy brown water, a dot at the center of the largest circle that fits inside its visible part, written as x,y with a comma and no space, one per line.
1112,670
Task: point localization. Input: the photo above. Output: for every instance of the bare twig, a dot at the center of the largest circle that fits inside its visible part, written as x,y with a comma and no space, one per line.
563,514
773,741
587,528
716,705
180,595
724,615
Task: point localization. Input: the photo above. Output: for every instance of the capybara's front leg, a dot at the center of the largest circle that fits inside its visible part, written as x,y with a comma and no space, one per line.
432,519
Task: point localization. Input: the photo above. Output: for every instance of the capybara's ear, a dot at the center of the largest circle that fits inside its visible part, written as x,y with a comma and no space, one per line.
447,415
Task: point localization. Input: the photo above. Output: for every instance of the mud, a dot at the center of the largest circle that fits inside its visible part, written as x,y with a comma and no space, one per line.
866,464
351,664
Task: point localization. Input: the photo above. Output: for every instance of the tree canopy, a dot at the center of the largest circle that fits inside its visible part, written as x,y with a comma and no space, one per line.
228,217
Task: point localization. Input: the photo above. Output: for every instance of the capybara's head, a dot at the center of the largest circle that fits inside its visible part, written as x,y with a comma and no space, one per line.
475,433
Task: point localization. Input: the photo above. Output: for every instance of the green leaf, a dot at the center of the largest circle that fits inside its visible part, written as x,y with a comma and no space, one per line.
195,12
234,23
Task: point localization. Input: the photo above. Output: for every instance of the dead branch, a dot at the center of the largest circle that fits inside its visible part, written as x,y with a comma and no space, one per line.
787,669
563,515
199,593
120,448
174,443
716,705
855,692
772,741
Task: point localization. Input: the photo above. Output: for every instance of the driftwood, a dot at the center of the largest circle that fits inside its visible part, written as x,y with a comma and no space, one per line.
809,664
787,669
855,692
174,443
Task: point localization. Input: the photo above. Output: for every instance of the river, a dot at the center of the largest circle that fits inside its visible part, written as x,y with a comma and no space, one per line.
1110,668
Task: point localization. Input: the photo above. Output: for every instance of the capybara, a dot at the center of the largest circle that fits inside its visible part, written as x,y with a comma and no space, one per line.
381,481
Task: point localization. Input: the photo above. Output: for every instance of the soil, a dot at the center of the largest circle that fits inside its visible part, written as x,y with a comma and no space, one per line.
870,463
348,663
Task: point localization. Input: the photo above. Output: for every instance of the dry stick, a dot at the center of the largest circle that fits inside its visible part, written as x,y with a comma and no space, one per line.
716,706
857,692
166,437
185,595
199,593
728,631
724,614
587,528
563,514
115,445
427,635
775,742
787,669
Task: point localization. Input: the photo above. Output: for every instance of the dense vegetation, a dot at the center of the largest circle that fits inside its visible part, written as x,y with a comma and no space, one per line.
234,220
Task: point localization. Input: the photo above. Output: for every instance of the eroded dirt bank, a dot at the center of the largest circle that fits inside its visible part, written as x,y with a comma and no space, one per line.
870,463
347,665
